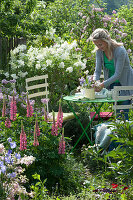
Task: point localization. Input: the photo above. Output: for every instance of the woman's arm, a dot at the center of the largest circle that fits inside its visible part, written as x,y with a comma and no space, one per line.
99,64
119,61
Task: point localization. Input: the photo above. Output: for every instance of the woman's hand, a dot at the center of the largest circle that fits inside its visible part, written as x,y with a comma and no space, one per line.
99,87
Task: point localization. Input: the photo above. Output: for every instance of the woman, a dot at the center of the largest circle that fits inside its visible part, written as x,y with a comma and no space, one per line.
112,57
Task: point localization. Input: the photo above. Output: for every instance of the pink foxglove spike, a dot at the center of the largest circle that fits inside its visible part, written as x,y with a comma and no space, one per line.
60,116
29,108
8,123
54,130
23,139
61,149
35,143
13,109
4,107
37,127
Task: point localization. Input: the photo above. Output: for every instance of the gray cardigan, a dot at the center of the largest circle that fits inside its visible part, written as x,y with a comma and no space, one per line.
123,70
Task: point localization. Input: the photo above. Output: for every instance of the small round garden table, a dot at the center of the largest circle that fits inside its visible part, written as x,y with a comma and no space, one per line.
100,102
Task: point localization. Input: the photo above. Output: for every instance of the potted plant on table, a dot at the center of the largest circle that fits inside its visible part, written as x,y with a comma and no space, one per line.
87,85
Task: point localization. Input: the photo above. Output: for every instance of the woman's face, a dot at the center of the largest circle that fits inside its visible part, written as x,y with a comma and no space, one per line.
102,45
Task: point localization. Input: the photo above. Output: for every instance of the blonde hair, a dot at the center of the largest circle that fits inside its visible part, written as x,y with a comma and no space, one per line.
103,34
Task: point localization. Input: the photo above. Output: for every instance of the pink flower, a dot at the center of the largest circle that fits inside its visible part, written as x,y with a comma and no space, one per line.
37,128
61,149
114,12
35,143
8,123
13,109
45,114
29,108
54,130
23,140
4,108
59,116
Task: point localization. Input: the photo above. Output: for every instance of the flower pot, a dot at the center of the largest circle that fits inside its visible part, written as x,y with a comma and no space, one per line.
89,93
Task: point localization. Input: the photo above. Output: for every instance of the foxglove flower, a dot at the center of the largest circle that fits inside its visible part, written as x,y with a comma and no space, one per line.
59,116
8,123
37,127
61,149
35,143
13,109
29,108
4,108
54,130
23,140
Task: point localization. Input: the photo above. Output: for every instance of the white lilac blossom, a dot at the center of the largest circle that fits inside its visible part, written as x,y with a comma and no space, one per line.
69,69
21,62
14,76
61,65
22,74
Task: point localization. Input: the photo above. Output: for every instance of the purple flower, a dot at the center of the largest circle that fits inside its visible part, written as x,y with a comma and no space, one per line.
45,100
8,160
1,96
129,51
13,81
1,163
3,169
9,139
9,151
13,145
17,155
4,81
13,174
84,17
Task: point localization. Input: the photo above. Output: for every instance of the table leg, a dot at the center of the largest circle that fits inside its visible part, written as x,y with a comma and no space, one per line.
84,129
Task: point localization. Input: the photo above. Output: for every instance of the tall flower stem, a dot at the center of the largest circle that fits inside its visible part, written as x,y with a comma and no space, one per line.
23,140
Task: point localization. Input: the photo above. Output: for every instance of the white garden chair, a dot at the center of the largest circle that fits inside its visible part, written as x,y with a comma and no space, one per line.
37,86
117,96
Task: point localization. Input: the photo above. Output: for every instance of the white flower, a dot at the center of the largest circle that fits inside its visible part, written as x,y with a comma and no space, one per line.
86,72
48,62
69,69
1,148
27,160
6,74
38,66
22,74
65,55
61,65
21,62
40,56
64,45
22,47
80,64
14,76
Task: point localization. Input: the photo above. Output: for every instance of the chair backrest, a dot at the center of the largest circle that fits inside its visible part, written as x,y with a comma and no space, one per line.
118,97
37,86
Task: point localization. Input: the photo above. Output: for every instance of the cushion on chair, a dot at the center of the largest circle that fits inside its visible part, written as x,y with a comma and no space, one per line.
103,115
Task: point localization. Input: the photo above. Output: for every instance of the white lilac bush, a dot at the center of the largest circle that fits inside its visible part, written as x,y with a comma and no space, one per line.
62,62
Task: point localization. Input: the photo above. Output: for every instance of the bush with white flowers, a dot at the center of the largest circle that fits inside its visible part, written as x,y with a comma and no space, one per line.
62,62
